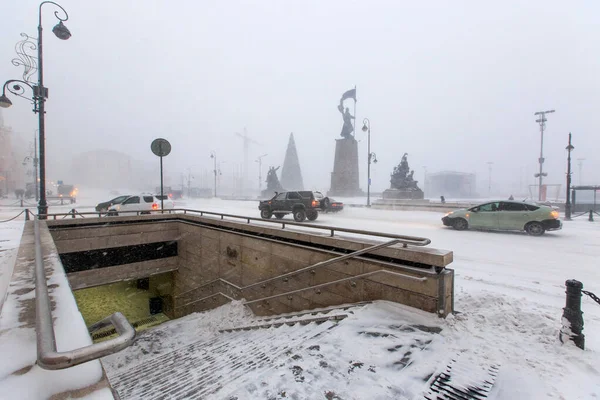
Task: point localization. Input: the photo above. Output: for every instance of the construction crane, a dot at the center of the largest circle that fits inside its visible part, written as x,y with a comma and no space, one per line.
247,140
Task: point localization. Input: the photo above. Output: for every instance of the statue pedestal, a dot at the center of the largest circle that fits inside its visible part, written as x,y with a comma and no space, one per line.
344,178
403,194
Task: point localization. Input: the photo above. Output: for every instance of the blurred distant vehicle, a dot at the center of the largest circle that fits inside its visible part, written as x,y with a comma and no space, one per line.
30,190
166,200
328,204
196,192
505,215
172,193
143,203
103,207
67,191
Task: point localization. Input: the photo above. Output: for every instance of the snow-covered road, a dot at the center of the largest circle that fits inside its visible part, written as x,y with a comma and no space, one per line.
509,291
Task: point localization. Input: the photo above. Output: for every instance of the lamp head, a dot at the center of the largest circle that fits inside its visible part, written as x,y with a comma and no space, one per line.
5,101
364,128
61,31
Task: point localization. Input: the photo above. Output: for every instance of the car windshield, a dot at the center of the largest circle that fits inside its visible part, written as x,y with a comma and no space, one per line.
163,197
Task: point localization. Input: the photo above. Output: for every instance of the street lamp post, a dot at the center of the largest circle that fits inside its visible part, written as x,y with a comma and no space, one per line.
580,164
213,155
35,167
371,157
259,161
490,163
569,148
542,121
40,94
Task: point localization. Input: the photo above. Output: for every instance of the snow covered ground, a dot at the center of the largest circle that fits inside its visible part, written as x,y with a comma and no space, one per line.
509,292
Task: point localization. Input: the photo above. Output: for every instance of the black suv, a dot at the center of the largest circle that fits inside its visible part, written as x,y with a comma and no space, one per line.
303,205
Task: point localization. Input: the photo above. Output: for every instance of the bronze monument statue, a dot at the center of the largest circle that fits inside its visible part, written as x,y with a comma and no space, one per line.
345,176
402,183
347,128
273,184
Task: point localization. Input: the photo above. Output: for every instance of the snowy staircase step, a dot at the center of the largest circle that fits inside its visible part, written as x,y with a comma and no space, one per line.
201,369
303,317
463,380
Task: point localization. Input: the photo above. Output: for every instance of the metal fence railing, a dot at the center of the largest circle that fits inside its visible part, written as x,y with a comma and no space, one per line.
405,240
47,355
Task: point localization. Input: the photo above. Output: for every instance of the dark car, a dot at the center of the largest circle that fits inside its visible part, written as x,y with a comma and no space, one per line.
329,204
301,204
103,207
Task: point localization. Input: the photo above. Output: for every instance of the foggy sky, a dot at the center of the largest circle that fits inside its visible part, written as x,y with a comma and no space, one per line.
453,84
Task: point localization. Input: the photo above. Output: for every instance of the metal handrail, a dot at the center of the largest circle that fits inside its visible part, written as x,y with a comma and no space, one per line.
296,291
350,278
404,239
325,263
301,270
47,356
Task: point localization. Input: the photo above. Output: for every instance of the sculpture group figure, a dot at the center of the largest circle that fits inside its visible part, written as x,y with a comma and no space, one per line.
273,184
402,177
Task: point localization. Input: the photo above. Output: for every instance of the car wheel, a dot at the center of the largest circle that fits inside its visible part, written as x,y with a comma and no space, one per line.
279,215
460,224
312,215
112,214
326,203
535,229
299,215
266,214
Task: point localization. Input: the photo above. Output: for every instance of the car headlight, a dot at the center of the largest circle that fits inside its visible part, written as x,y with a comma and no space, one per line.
450,213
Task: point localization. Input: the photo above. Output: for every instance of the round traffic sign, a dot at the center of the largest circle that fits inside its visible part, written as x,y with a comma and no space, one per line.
161,147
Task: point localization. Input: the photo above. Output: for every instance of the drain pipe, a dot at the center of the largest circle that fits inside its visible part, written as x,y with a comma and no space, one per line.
572,319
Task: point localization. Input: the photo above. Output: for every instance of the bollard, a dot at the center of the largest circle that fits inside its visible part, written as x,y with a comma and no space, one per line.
73,212
22,202
591,217
572,319
26,214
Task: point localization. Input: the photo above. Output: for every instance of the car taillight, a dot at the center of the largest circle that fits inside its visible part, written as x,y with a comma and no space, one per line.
154,206
269,203
315,203
554,214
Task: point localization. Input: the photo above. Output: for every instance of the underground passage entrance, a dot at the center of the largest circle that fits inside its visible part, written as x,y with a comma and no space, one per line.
144,302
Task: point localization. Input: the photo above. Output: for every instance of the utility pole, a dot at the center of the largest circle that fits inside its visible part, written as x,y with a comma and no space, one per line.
568,204
542,121
213,155
580,164
189,181
490,163
259,161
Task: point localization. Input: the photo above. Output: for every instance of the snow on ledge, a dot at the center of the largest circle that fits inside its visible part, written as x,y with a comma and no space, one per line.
20,376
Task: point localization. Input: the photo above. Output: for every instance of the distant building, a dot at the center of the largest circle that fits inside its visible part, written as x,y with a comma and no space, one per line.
10,168
103,169
450,184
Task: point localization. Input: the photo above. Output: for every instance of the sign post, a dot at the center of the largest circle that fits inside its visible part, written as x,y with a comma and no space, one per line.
162,148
